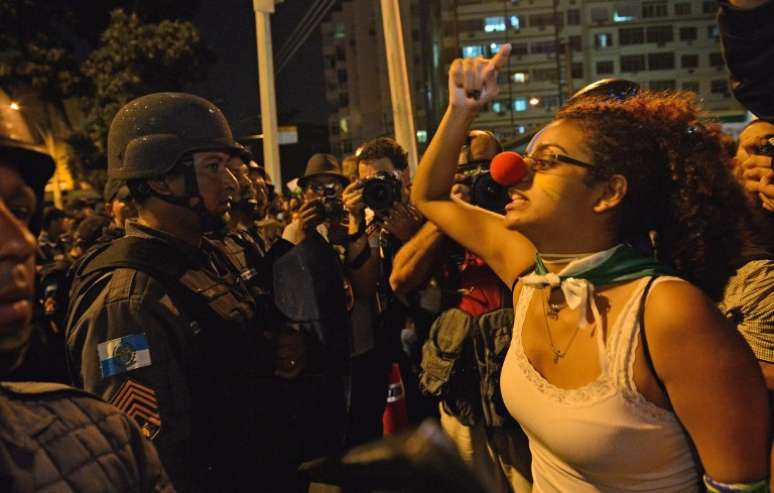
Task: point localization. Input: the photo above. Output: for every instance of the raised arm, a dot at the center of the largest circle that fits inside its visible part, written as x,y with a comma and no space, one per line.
414,262
472,84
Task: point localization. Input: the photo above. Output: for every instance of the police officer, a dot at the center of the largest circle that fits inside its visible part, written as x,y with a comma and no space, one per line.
158,324
43,426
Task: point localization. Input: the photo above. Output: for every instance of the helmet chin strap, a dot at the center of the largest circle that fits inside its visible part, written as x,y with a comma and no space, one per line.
208,221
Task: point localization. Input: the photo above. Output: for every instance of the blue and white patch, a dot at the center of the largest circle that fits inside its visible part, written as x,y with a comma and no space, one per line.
123,354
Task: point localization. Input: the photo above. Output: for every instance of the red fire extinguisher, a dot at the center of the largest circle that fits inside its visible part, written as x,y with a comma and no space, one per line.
395,418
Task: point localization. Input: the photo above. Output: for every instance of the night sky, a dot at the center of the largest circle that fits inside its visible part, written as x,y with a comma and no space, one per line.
228,28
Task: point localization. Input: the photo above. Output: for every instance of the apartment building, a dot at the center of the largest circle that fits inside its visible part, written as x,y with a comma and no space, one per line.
560,46
356,71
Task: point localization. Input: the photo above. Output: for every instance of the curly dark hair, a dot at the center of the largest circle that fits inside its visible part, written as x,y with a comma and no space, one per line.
679,184
384,147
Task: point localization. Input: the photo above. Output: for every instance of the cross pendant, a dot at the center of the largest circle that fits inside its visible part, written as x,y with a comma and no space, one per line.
557,356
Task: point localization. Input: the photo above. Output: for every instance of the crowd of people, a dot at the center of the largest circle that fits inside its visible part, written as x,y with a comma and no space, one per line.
604,322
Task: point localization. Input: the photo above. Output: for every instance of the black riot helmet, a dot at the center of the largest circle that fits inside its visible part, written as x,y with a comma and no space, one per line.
23,149
152,134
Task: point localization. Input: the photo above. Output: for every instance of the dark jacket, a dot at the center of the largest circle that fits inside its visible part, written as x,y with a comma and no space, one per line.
177,353
748,47
56,438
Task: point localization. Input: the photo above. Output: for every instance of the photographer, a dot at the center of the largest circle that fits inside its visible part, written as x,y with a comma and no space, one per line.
322,210
380,220
747,298
490,442
753,162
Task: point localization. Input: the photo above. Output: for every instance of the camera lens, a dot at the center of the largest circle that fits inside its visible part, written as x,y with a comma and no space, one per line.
489,194
381,191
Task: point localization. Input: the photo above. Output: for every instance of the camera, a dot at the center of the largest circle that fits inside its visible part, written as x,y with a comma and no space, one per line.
485,192
381,191
331,208
766,148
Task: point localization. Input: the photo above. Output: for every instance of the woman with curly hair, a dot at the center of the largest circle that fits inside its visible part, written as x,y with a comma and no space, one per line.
621,371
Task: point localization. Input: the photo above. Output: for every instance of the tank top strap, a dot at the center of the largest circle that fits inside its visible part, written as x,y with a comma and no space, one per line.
624,341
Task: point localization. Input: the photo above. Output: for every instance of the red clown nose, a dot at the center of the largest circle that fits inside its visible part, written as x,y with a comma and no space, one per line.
508,168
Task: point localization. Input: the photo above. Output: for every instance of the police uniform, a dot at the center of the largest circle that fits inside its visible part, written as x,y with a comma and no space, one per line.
53,437
56,438
309,366
182,360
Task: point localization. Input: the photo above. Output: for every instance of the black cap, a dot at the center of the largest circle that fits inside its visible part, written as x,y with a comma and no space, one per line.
322,165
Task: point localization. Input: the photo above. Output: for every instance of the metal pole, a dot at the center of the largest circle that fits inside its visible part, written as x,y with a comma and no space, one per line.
558,55
400,92
262,9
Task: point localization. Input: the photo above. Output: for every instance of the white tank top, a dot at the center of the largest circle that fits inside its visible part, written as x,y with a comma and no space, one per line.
604,436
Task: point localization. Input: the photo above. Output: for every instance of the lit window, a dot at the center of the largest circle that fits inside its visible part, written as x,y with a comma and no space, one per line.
494,48
603,40
622,18
521,129
519,77
344,125
494,24
339,32
421,136
533,101
515,24
497,107
520,104
472,51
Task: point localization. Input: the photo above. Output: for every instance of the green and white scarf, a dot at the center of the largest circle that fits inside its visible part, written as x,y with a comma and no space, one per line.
578,279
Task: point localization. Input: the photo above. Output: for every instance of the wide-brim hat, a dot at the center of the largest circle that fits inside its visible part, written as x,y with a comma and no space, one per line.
322,165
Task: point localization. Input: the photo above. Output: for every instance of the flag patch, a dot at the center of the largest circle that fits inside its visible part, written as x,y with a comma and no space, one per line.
139,403
123,354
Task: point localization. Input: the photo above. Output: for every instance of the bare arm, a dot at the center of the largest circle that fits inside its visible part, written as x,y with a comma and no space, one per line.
768,374
479,231
415,260
713,382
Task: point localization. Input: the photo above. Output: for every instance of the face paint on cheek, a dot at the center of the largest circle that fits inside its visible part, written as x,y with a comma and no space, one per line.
547,189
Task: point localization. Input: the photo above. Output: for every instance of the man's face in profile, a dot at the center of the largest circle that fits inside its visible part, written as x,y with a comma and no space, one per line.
17,262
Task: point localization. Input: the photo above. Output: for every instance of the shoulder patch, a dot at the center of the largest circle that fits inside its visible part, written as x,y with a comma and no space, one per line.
139,402
126,353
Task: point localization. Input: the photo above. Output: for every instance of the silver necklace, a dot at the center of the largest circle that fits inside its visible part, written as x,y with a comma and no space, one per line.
558,353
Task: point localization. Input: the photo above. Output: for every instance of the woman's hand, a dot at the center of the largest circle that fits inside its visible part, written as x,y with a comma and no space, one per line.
473,81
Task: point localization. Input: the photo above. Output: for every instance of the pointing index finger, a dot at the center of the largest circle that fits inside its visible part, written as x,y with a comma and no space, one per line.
498,61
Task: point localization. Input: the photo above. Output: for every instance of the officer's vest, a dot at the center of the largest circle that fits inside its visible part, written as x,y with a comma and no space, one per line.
230,366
